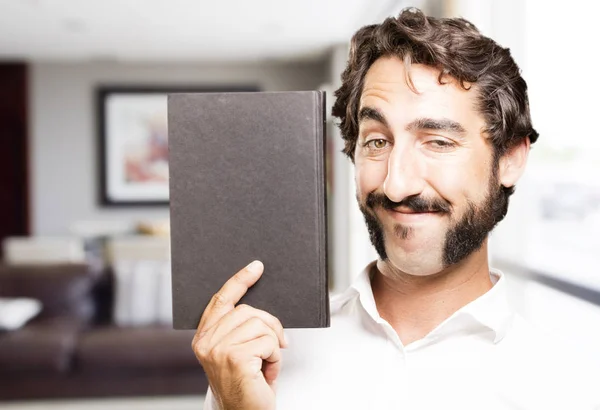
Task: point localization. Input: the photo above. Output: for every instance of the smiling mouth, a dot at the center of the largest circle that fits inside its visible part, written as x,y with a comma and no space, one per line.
403,215
408,211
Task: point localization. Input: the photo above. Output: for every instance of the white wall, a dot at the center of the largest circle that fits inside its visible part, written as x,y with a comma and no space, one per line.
340,167
64,136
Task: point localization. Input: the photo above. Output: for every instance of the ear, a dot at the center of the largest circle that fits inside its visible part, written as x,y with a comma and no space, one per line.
512,164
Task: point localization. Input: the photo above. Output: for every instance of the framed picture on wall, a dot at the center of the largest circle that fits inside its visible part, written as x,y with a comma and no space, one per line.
133,142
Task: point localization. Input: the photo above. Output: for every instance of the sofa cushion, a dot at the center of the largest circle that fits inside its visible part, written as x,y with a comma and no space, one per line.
65,290
15,312
143,292
135,349
44,347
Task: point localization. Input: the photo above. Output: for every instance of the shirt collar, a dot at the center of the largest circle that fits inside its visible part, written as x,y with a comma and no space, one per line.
490,310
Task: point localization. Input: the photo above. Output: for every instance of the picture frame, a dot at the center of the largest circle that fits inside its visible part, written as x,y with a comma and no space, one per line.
133,142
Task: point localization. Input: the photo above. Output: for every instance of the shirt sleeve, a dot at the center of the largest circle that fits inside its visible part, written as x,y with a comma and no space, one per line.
210,402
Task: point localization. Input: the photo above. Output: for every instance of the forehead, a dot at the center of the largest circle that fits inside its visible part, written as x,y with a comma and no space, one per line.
386,88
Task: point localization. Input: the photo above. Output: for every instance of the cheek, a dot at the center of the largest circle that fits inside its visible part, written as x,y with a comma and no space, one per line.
460,182
369,175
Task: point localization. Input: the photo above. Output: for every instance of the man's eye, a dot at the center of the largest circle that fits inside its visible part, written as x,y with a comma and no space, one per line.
376,144
441,144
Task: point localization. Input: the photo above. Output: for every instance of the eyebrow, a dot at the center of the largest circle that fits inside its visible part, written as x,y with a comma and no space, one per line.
370,113
441,124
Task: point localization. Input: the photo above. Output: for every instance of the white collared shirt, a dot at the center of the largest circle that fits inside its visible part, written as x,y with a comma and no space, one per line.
483,357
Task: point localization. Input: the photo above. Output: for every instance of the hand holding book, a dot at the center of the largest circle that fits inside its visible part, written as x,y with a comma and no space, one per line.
239,346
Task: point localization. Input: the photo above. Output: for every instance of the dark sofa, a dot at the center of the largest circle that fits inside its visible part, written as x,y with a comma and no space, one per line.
72,349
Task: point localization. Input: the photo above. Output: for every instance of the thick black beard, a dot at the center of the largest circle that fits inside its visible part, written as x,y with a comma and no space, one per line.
464,238
375,231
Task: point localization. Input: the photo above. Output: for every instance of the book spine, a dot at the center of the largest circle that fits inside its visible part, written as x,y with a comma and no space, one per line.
321,146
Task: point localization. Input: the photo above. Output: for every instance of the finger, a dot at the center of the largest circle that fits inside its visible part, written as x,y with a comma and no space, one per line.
240,315
250,330
256,352
270,371
266,349
232,291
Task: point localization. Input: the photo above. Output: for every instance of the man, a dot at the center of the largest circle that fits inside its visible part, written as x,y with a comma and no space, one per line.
435,118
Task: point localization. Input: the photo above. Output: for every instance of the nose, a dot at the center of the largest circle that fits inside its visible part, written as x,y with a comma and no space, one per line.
404,174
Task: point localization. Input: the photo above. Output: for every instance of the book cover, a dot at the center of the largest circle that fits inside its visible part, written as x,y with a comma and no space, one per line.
247,181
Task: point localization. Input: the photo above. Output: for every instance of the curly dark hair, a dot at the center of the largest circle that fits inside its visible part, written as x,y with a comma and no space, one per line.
457,49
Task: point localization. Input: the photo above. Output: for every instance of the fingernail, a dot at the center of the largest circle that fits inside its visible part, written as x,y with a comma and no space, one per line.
255,267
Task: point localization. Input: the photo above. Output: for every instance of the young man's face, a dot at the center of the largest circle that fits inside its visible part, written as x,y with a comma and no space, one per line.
424,175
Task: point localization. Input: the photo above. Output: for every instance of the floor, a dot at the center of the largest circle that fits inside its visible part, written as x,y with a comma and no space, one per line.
154,403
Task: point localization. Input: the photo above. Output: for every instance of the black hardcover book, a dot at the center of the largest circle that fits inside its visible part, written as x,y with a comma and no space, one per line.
247,181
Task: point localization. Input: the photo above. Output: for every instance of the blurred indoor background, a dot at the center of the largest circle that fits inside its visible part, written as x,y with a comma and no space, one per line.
83,174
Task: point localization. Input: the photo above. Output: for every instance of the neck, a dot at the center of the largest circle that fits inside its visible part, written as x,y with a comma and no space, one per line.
415,305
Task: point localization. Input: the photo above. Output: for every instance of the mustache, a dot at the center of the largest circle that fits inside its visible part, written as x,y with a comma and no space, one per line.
415,203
